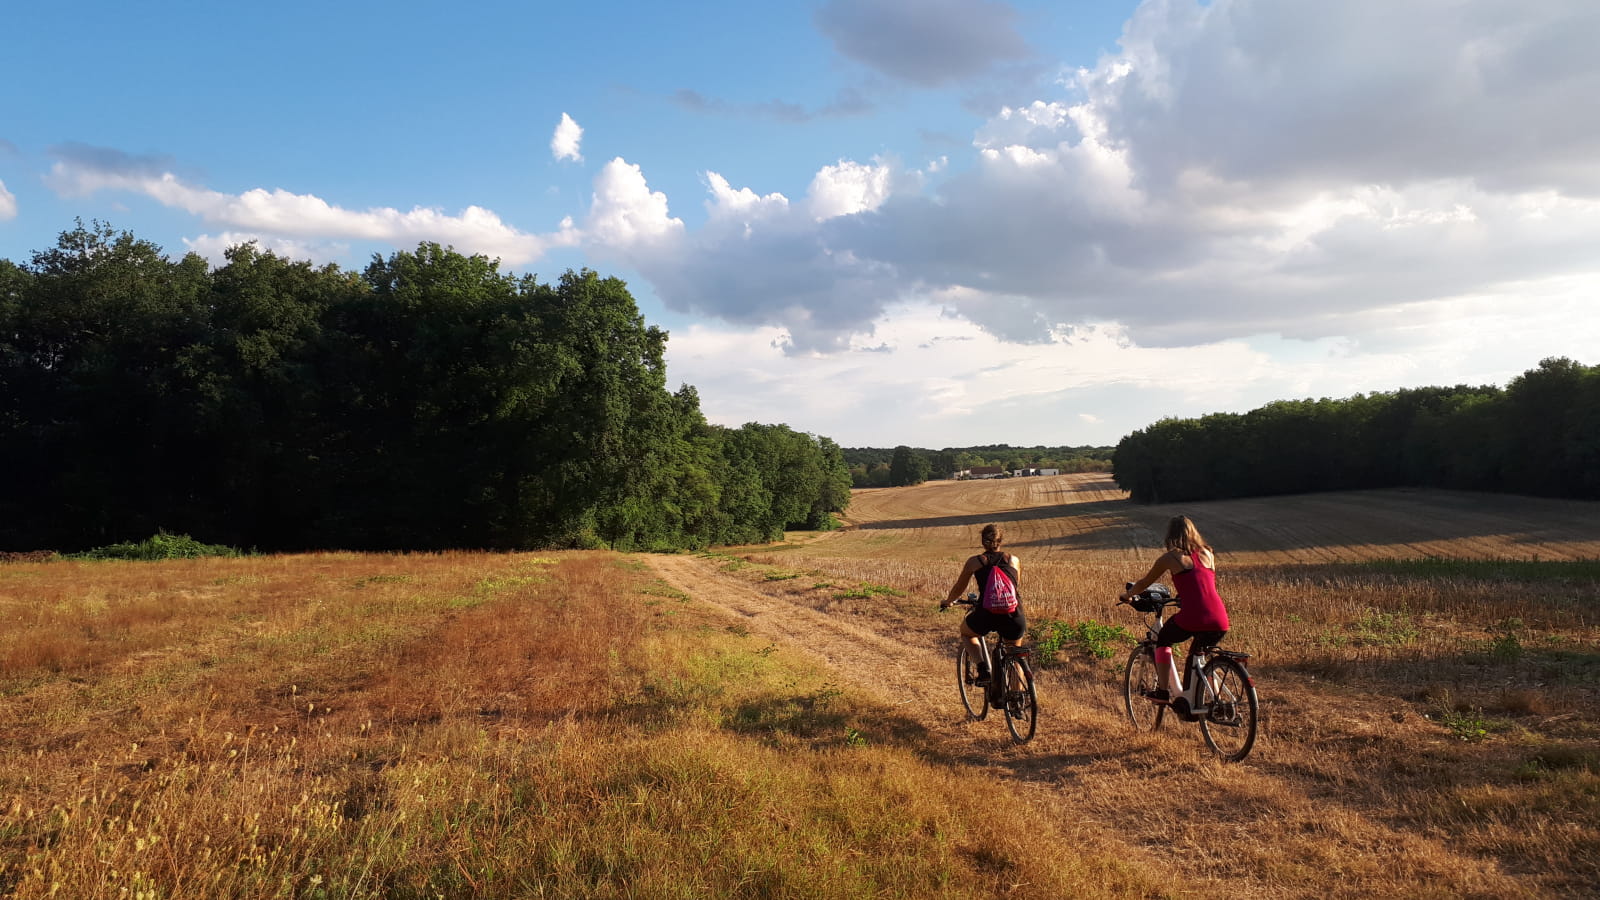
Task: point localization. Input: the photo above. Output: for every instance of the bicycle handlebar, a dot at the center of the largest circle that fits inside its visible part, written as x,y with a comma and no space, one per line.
1153,599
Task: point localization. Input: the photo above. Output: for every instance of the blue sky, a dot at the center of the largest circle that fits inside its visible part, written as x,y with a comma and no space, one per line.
931,222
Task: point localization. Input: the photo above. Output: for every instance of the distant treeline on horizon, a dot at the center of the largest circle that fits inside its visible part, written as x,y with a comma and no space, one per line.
905,465
428,402
1540,436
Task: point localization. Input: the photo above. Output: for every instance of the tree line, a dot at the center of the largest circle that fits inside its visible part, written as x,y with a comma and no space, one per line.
428,402
1540,435
905,465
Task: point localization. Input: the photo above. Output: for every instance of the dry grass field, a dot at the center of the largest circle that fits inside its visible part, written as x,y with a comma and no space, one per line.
782,721
1429,666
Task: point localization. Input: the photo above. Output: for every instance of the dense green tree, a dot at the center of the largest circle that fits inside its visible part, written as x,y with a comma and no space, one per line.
428,402
104,365
907,467
1541,435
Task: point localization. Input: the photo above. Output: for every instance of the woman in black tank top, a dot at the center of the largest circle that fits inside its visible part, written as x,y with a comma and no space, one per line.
1011,626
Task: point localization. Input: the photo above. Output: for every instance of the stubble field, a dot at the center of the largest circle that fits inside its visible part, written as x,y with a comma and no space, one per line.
782,721
1429,666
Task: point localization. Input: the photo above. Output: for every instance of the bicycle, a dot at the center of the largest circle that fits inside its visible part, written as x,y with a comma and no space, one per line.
1226,705
1010,685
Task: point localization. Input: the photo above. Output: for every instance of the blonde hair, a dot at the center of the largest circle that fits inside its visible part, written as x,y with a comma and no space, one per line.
1184,537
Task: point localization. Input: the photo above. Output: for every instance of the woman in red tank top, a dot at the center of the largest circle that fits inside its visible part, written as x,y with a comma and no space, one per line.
1202,617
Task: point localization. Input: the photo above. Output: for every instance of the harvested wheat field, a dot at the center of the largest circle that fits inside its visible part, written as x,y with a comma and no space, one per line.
783,721
1428,663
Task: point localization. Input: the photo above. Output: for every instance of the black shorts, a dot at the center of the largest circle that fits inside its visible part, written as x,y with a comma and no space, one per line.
1173,633
1012,626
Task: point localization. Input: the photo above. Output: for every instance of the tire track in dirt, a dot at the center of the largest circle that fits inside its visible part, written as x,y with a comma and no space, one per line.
917,682
1085,762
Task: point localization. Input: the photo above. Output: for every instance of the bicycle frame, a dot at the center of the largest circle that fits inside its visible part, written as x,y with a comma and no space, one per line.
1217,690
1011,686
1195,662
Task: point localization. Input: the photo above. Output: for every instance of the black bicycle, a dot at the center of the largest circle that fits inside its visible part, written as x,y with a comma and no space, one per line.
1009,687
1225,703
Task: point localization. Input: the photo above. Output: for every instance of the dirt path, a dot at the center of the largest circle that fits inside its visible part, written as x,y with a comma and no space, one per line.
911,677
1086,763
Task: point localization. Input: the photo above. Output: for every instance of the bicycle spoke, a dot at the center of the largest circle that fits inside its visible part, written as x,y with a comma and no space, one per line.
1229,724
1138,679
1021,705
974,697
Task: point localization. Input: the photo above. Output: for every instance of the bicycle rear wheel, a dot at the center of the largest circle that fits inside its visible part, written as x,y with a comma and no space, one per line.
1022,707
1141,676
975,697
1229,724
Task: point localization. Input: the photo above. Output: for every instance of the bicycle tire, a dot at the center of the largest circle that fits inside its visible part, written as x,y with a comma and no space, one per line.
1232,716
1021,705
975,697
1141,676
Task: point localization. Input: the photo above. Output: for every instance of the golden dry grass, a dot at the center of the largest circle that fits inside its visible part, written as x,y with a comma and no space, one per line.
1430,729
342,725
466,725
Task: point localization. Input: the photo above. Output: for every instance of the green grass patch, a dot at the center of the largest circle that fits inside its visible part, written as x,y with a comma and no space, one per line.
868,591
1054,639
1375,628
1533,569
157,547
1466,723
659,588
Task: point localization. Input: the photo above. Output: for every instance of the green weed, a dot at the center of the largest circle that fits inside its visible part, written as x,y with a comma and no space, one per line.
1467,724
1053,637
1533,569
1375,628
158,546
1506,645
868,591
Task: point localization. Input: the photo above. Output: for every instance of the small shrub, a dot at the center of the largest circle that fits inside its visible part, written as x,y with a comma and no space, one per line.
1506,645
159,546
1466,723
1469,726
1097,639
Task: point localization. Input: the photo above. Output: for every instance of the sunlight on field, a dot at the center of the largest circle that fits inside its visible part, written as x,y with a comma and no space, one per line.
1387,677
510,725
463,725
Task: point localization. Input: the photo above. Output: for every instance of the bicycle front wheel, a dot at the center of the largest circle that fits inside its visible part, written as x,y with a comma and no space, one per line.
1140,678
974,696
1229,723
1022,707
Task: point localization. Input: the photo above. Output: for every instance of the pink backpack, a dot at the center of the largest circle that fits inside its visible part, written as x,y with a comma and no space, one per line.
1000,592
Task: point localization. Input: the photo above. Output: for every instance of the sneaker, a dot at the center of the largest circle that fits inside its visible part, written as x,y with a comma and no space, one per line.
1159,695
983,677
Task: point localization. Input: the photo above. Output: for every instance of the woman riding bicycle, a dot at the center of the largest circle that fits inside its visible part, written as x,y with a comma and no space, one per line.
1202,616
984,566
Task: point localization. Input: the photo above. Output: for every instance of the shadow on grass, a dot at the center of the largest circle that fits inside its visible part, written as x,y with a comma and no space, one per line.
1094,508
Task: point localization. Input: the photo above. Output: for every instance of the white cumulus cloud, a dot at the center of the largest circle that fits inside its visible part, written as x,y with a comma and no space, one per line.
568,136
8,204
303,217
